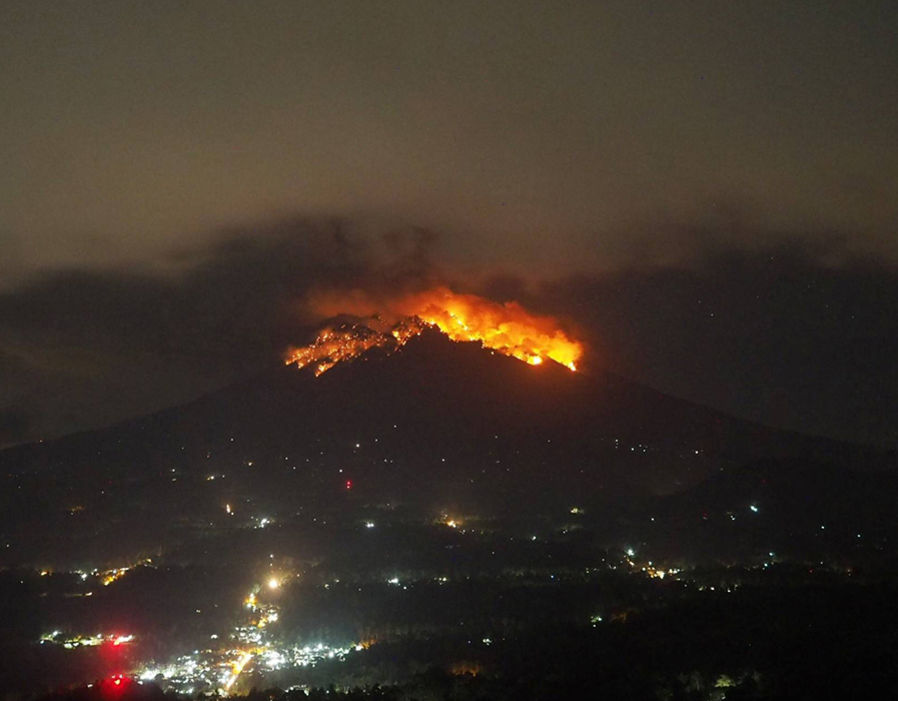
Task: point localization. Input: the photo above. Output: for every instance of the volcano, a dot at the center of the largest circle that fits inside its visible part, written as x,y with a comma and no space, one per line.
431,424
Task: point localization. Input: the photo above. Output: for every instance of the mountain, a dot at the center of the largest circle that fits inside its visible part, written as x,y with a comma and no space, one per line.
432,425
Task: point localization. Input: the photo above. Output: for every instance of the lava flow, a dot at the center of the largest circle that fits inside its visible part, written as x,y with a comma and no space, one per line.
506,328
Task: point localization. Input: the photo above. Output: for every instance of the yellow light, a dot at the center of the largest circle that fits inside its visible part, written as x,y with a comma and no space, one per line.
237,668
273,583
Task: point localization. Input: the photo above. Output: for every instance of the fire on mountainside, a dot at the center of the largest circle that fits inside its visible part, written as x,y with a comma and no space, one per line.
506,328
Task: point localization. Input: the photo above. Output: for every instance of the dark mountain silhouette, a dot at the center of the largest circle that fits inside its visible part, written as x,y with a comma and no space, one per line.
433,423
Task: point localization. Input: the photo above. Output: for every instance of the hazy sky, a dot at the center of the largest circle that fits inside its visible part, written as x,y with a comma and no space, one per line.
618,163
564,134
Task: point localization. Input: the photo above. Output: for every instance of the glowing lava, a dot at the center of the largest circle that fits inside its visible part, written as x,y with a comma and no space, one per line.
506,328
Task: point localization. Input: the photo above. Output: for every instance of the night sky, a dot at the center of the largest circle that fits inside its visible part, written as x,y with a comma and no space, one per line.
706,192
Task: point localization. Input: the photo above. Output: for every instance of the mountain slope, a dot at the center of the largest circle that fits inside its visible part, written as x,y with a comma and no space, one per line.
433,423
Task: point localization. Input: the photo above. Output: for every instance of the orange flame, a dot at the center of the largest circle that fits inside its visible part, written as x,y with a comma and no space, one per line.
348,341
507,328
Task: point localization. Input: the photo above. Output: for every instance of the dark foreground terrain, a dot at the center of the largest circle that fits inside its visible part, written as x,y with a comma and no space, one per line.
766,640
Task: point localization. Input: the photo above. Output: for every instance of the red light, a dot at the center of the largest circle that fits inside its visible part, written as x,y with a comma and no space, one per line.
348,484
115,685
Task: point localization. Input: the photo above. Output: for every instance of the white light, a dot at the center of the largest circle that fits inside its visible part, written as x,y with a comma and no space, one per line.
753,508
369,524
273,583
630,552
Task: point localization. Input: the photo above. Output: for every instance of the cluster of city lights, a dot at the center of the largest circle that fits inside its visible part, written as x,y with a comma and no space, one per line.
252,648
69,642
